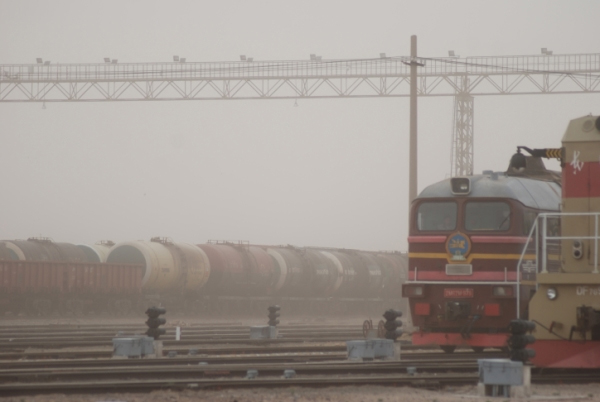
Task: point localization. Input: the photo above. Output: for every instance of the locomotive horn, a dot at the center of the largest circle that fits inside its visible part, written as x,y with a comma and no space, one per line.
518,161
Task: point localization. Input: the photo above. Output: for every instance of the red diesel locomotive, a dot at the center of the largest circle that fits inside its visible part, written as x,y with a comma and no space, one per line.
465,239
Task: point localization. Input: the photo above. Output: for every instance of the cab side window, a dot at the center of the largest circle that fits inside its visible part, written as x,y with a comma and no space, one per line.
437,216
487,216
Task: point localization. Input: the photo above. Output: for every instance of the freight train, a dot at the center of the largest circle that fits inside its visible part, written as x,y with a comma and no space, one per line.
466,237
217,277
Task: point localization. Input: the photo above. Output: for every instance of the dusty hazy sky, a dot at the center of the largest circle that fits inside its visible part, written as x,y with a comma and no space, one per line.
325,173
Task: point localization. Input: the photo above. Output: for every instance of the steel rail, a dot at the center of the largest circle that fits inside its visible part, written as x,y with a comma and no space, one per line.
434,380
56,325
107,352
355,329
240,359
195,383
170,336
233,370
5,346
13,330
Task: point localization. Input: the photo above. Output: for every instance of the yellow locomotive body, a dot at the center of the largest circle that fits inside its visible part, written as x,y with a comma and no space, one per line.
566,305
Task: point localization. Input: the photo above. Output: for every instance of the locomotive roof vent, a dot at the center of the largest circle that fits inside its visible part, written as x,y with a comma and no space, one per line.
493,175
460,185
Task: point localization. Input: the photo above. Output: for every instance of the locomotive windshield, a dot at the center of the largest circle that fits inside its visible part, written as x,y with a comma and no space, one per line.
437,216
487,216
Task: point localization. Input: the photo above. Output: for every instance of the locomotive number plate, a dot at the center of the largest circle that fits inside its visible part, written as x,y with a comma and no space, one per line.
459,293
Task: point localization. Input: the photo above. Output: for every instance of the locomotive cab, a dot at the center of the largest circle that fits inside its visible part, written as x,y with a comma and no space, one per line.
465,239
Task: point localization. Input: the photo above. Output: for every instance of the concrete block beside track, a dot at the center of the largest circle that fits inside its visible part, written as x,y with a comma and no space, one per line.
263,332
373,349
134,346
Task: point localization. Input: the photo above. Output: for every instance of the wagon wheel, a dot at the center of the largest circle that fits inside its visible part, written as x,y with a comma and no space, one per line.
367,325
381,329
448,348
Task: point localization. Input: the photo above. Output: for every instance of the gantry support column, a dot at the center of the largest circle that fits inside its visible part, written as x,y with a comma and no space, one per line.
462,135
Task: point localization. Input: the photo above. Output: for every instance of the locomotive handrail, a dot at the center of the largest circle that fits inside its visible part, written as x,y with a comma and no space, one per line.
595,237
543,218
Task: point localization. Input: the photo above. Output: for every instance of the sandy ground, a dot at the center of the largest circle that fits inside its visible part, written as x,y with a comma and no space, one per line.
332,394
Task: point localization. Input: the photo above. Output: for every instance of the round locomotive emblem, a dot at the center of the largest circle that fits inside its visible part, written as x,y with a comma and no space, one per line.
458,245
588,125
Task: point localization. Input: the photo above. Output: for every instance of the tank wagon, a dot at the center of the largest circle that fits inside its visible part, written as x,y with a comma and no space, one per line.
566,306
43,249
466,237
238,277
97,252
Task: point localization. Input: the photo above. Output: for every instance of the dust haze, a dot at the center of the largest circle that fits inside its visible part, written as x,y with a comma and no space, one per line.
319,172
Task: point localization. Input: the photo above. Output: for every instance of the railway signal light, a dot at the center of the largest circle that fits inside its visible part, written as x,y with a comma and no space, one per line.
392,324
154,321
577,249
518,340
273,314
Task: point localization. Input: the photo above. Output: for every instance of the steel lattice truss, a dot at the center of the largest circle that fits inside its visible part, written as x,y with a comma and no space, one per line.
462,136
362,78
383,77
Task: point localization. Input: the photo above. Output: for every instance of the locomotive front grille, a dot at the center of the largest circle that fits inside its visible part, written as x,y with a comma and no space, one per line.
456,310
459,269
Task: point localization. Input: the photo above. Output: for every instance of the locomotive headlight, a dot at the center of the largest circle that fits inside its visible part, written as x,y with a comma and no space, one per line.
460,185
502,291
577,249
552,293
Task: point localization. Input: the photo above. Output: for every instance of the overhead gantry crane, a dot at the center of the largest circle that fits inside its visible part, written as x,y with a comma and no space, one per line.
461,78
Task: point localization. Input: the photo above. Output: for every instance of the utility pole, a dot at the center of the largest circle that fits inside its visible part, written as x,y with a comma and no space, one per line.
412,170
412,181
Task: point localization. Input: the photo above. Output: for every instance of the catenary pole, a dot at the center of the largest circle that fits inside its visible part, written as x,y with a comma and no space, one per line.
412,181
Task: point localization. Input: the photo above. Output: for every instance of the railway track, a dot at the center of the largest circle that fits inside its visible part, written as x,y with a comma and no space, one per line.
221,377
106,352
304,354
89,370
77,359
89,335
316,342
25,377
195,383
